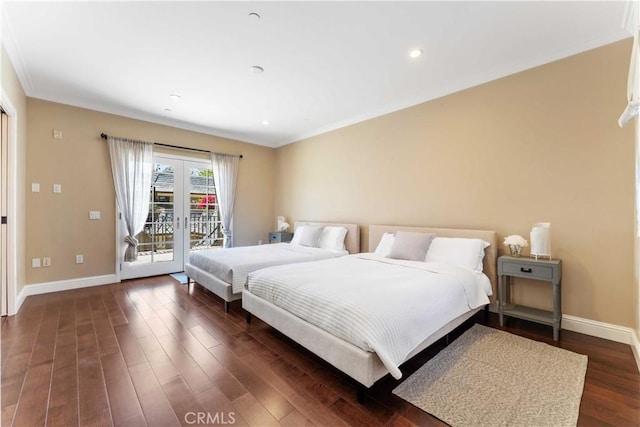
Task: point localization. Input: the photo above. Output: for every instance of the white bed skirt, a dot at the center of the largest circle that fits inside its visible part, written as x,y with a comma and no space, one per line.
363,366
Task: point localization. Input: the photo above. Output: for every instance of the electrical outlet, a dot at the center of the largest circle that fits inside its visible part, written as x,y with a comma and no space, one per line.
57,188
57,134
79,259
46,262
35,263
35,187
94,214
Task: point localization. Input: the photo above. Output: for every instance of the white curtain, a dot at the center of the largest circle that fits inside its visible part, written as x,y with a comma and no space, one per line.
632,24
225,175
132,168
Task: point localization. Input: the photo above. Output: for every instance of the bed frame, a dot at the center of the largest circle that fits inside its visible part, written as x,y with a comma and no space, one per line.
224,289
363,366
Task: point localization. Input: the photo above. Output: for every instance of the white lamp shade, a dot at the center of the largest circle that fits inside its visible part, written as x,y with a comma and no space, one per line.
541,240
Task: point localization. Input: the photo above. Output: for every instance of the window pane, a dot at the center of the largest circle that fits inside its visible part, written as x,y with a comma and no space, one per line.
204,219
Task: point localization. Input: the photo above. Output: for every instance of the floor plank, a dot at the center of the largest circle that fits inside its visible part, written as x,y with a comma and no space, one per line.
154,352
123,401
63,398
155,405
32,407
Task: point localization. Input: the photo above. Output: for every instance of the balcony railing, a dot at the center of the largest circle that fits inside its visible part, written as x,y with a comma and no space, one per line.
205,229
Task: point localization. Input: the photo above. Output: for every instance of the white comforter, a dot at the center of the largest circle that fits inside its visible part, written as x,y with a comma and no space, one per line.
232,265
378,304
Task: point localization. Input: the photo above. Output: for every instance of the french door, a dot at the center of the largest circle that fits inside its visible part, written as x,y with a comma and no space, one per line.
183,216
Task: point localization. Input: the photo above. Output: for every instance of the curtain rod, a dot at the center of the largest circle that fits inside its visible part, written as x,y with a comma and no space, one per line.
105,136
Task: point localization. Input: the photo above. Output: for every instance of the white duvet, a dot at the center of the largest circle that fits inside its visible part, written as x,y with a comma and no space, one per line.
379,304
232,265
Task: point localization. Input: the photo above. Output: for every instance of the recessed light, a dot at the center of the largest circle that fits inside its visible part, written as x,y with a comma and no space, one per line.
167,110
256,69
415,53
265,122
254,16
175,97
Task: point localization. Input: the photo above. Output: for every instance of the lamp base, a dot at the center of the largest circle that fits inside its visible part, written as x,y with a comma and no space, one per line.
541,256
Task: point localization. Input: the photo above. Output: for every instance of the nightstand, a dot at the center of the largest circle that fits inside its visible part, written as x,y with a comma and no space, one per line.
543,270
280,237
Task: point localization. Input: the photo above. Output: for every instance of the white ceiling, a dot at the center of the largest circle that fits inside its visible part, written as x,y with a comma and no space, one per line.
326,64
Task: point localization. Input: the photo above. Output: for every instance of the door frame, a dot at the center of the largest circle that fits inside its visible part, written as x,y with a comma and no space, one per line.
12,202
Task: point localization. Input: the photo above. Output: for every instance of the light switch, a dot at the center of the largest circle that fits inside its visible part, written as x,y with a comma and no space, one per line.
35,263
94,214
35,187
57,188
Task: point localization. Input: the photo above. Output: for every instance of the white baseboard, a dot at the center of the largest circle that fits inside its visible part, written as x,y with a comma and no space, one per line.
598,329
635,347
64,285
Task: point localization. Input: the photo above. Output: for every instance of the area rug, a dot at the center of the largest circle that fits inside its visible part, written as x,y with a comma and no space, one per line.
180,277
489,377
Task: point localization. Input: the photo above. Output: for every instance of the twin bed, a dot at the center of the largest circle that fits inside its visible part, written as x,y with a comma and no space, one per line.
224,272
365,314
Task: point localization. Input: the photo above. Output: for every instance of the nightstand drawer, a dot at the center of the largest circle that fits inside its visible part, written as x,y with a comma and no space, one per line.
280,237
527,270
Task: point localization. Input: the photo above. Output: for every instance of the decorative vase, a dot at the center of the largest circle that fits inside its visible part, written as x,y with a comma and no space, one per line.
515,250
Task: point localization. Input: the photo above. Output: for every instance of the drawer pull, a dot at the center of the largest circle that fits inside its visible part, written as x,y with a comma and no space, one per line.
525,270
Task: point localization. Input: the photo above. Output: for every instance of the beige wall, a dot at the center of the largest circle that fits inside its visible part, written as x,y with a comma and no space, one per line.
541,145
58,223
13,94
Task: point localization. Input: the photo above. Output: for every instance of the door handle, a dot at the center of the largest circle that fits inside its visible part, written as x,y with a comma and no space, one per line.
178,223
186,222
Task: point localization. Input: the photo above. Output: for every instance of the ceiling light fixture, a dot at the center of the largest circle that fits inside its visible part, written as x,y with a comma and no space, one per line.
254,16
256,69
415,53
167,110
265,122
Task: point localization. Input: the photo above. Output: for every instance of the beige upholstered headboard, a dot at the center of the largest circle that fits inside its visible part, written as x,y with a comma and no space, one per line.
490,254
352,239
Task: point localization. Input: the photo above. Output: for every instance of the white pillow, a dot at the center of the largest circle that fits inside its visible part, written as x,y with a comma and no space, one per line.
332,238
385,244
458,251
307,235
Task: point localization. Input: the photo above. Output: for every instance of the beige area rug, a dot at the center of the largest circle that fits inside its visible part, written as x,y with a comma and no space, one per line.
492,378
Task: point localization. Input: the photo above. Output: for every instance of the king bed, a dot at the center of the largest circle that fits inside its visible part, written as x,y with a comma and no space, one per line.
224,271
366,314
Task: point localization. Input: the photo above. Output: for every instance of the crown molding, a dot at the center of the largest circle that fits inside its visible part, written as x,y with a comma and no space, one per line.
15,54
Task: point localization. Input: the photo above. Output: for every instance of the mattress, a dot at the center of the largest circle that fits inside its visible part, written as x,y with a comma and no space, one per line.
232,265
375,303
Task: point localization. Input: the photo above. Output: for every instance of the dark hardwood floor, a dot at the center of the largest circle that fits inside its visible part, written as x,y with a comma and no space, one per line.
154,352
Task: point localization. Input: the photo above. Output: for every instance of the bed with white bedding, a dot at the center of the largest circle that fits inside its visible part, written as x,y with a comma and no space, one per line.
224,271
366,314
